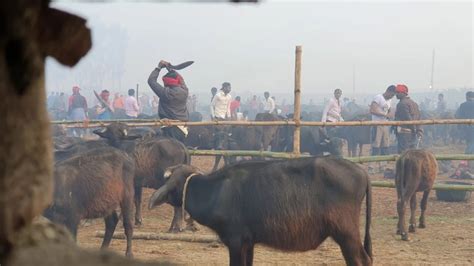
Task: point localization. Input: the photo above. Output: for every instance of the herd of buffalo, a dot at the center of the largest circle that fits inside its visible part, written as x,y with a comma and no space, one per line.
291,205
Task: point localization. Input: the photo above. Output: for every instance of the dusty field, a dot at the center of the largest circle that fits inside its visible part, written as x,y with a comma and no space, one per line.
448,238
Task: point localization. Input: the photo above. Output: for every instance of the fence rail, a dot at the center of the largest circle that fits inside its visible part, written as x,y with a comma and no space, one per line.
436,186
165,122
289,155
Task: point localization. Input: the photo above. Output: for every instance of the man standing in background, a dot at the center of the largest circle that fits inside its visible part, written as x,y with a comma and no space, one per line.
332,110
77,105
77,109
380,110
220,105
253,107
131,105
268,103
466,111
408,136
104,108
118,101
441,105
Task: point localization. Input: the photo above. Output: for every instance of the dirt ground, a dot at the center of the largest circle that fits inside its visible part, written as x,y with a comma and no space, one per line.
448,238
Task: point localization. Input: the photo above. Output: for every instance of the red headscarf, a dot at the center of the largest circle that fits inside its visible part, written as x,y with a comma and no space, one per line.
401,89
172,78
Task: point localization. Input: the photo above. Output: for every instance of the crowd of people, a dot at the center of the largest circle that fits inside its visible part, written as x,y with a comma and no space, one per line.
173,101
408,136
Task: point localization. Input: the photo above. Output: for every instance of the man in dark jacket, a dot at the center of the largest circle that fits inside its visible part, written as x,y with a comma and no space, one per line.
173,98
407,110
466,111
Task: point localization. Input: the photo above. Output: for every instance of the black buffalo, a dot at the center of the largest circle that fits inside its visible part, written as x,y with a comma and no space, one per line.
94,184
151,156
291,205
356,136
313,140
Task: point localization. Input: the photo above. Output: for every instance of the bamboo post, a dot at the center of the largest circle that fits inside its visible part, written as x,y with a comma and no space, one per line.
297,102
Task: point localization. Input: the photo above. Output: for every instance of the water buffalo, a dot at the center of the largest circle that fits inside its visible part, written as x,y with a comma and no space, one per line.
200,137
67,147
291,205
152,156
416,171
195,117
313,140
256,138
92,185
356,136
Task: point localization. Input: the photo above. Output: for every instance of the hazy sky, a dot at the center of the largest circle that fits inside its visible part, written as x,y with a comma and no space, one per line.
252,46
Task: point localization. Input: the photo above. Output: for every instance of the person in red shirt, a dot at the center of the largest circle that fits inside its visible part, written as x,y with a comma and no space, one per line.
77,108
234,107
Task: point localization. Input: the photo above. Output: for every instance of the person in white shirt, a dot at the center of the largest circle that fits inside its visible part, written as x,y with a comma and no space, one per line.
220,105
268,104
131,105
332,110
380,110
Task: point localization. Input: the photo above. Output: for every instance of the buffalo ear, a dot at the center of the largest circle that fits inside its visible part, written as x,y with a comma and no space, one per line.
100,132
159,197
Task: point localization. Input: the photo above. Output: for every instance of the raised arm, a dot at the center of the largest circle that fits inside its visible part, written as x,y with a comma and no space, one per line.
154,85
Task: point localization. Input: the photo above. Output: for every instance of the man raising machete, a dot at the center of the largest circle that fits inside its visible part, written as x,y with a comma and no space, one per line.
173,97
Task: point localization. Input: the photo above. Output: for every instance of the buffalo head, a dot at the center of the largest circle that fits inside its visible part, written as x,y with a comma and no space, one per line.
172,191
115,132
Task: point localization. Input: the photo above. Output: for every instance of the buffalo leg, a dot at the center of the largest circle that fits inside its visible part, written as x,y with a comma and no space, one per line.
72,225
352,249
412,226
399,202
249,254
127,210
235,252
110,224
401,205
138,204
176,223
424,202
